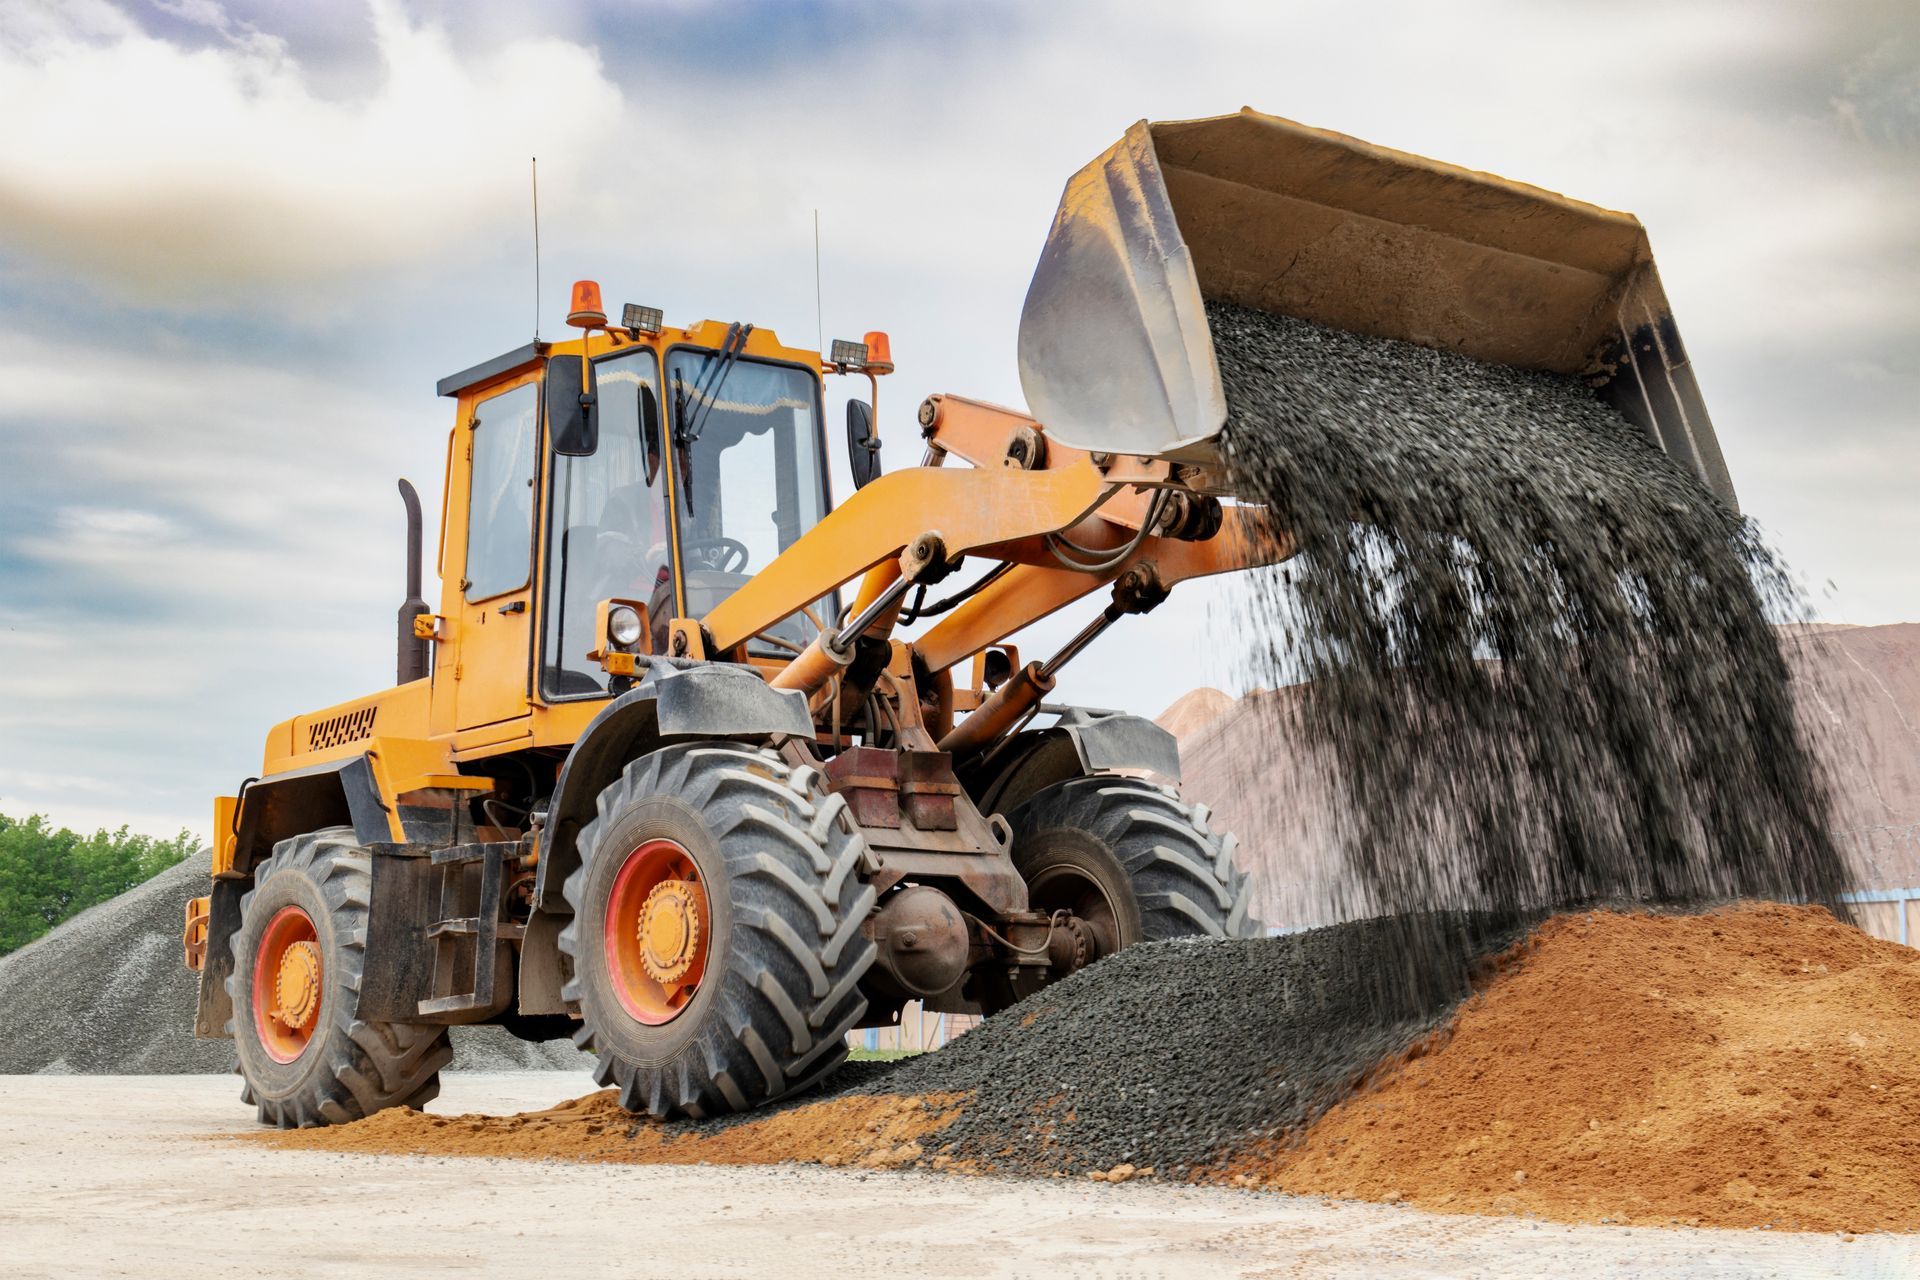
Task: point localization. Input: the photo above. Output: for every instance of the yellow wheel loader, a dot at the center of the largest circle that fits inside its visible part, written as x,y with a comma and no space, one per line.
706,771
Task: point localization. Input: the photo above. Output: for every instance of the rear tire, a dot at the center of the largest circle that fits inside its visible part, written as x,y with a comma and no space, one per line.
333,1067
773,863
1134,852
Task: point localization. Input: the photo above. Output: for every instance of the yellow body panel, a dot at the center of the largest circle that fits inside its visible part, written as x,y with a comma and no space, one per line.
224,810
343,731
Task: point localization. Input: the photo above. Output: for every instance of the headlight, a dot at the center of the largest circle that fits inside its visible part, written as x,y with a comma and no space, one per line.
623,625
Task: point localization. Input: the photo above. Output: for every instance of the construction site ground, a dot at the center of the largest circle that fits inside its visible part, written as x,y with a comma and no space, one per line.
134,1175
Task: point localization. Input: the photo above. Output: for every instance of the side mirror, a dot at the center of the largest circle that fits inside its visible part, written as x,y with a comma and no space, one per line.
573,416
863,447
650,430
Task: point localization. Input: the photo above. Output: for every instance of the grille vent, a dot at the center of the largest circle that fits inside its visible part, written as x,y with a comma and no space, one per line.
342,729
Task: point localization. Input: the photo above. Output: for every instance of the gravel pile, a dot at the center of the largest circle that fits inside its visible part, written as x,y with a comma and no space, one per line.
106,994
1171,1054
1541,656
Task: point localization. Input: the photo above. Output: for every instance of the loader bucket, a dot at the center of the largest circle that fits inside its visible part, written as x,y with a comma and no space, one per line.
1115,352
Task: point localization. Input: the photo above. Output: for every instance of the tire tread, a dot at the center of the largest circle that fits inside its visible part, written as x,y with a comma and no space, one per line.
369,1066
1181,870
790,985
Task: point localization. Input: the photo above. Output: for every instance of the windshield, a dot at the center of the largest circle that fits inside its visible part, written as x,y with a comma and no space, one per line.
752,480
607,532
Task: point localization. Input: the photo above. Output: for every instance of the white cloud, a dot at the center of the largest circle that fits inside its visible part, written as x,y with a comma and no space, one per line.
259,450
1880,100
113,528
171,176
202,13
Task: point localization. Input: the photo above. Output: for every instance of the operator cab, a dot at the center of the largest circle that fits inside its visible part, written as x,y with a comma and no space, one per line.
708,463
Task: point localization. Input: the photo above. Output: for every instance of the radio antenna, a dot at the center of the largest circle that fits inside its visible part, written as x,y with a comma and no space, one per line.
819,329
536,248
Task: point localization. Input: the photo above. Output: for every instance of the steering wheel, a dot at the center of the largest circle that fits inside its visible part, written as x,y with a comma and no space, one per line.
722,555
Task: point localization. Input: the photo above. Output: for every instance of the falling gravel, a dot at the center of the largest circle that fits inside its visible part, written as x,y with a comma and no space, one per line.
106,994
1541,659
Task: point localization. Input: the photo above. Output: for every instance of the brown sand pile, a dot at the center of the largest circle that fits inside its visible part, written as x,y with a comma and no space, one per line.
876,1132
1756,1065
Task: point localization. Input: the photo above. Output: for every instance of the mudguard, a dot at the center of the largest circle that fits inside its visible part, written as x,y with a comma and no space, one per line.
675,702
331,793
1109,740
1084,740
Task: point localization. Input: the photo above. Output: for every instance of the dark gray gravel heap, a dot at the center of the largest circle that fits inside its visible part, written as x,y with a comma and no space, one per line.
1172,1054
106,994
1542,656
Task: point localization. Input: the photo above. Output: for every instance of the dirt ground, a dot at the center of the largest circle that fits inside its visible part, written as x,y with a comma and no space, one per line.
106,1176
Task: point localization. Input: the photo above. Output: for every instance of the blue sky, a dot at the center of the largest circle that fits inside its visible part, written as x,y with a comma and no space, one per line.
239,242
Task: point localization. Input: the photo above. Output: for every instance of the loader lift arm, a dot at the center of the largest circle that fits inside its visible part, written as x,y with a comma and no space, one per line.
999,509
1031,592
975,507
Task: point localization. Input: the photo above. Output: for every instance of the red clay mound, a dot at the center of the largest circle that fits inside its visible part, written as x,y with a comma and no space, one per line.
1755,1065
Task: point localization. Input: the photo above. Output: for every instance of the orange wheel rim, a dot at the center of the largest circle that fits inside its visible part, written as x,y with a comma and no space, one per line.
658,928
289,984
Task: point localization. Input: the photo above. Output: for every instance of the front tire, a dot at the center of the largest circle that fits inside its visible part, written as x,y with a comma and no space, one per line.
715,943
298,957
1133,860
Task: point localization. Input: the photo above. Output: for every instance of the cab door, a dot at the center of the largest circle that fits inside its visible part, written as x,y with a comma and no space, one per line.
494,628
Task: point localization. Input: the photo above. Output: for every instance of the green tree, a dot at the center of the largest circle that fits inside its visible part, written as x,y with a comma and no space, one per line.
47,875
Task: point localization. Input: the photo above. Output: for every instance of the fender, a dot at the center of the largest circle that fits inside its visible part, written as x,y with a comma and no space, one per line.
331,793
1107,740
677,701
394,788
367,791
1085,740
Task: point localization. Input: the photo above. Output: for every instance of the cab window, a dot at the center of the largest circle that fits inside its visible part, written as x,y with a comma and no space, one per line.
607,531
500,502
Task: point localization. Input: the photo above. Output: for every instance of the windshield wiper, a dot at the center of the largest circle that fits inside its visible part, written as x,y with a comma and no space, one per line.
705,394
682,443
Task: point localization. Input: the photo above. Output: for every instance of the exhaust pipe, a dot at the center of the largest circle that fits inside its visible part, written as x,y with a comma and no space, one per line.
412,650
